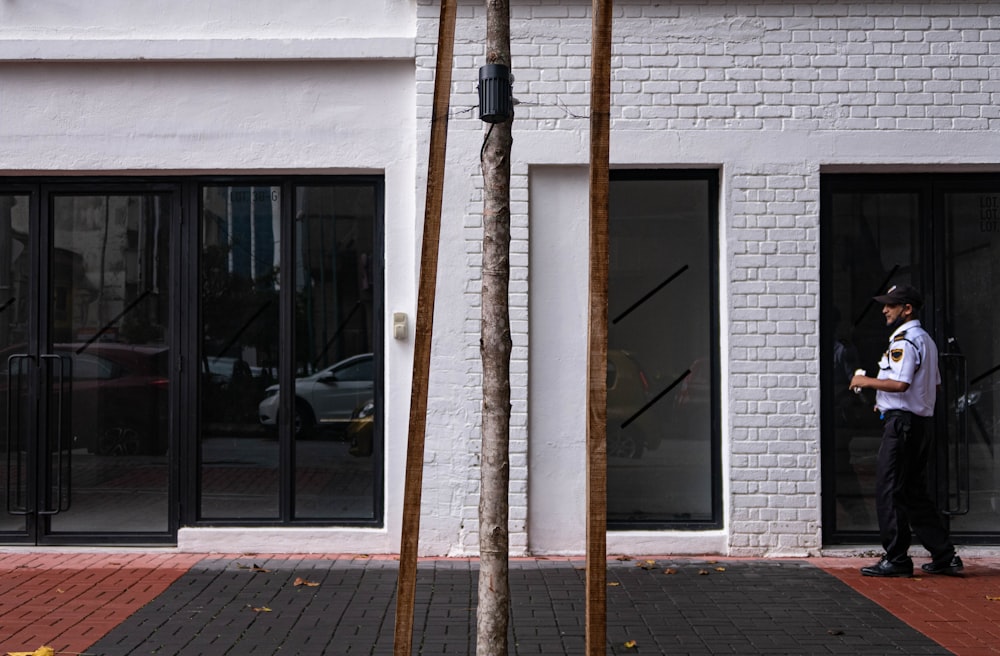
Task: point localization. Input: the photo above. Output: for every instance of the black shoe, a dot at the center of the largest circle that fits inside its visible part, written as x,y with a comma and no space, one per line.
886,568
952,567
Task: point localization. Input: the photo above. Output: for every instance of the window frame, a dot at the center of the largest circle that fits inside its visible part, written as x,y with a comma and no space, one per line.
712,177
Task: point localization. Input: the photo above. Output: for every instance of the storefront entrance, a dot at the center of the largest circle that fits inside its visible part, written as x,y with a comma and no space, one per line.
160,368
86,339
941,233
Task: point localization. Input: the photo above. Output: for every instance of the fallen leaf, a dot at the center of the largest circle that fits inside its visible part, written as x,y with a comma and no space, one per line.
630,644
301,581
647,564
835,632
703,572
670,570
991,598
623,558
613,584
41,651
253,568
720,569
261,609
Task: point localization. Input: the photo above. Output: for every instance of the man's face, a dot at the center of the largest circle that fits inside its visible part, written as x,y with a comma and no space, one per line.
895,314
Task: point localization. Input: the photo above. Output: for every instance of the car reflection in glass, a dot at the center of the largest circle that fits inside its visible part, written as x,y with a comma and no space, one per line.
116,394
326,399
361,428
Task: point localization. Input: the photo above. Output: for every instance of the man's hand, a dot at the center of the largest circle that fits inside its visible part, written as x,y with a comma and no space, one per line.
880,384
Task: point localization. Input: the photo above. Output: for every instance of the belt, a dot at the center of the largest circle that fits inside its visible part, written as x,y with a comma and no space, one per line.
886,414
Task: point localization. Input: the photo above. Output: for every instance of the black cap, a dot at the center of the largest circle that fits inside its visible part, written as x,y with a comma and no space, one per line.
901,295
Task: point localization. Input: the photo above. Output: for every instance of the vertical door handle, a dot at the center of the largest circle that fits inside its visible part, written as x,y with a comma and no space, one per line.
958,406
63,465
16,503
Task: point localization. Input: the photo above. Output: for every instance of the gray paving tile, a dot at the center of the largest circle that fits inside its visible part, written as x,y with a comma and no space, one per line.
743,607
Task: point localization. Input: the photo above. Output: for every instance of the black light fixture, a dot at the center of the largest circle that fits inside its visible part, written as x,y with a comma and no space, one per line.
496,93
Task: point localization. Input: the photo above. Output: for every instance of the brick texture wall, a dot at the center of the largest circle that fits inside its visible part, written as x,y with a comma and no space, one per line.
724,69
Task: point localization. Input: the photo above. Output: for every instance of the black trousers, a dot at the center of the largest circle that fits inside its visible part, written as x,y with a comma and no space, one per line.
902,499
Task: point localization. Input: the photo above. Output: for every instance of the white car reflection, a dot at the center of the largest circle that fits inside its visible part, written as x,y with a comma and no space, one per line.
327,398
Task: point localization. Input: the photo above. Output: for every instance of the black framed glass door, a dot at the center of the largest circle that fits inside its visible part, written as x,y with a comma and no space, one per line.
86,342
941,233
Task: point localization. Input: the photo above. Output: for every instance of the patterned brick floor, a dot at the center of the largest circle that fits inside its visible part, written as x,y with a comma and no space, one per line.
108,604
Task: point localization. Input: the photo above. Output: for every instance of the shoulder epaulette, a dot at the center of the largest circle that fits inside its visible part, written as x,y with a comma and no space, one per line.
901,337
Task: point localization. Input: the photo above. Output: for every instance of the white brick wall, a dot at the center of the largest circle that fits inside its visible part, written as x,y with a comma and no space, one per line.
773,241
768,92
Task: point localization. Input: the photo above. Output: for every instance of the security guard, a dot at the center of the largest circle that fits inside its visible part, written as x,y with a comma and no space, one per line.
905,391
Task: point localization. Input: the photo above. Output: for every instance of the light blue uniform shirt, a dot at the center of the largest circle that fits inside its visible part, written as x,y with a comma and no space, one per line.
912,357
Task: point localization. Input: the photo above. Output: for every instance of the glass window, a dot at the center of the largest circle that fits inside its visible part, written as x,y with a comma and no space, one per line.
311,454
239,265
662,345
335,246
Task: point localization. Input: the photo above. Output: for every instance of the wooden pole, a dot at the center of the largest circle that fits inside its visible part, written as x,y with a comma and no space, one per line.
597,361
423,330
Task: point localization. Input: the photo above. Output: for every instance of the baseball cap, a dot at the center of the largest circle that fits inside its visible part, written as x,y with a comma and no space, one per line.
900,295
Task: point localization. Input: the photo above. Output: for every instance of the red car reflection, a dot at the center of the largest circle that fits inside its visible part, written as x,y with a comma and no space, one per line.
115,394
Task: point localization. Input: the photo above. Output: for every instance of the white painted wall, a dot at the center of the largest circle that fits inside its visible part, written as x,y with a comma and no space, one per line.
557,362
216,19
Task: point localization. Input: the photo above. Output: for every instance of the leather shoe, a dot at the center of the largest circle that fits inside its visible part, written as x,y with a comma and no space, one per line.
887,568
951,567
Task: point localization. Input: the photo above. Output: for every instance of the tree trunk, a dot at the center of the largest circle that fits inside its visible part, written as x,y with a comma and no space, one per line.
493,609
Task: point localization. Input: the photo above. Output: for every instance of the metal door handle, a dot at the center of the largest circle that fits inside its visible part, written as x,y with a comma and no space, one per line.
957,449
62,479
15,475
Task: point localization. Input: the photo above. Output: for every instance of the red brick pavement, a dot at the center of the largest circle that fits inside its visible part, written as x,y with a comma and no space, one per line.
68,601
960,613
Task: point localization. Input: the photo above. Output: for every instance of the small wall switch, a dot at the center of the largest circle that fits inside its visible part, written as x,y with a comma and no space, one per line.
399,325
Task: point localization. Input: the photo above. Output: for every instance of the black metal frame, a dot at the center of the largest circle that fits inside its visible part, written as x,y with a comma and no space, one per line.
711,176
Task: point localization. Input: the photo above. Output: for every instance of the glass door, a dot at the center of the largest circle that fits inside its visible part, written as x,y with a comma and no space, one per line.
941,234
85,291
969,462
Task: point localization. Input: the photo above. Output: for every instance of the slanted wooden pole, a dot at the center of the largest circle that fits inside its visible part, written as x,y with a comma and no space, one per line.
412,488
597,361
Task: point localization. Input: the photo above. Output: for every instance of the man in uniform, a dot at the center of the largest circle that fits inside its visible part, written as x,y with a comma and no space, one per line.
905,392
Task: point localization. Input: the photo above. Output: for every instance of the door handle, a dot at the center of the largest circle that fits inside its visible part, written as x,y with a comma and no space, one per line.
63,468
16,503
959,403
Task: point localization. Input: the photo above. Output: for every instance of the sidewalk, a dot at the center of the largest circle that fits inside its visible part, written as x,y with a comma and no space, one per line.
117,604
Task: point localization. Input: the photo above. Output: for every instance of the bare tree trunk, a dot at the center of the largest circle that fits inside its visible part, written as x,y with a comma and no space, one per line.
495,346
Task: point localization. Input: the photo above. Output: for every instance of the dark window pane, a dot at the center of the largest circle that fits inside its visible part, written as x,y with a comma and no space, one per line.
661,352
334,468
239,262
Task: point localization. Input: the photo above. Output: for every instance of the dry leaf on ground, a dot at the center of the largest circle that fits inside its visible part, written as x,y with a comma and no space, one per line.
41,651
